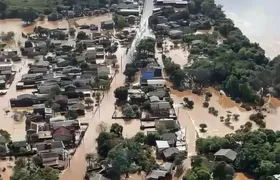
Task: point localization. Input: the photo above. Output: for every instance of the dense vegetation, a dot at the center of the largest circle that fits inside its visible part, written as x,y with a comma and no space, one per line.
16,8
225,59
126,155
26,169
258,151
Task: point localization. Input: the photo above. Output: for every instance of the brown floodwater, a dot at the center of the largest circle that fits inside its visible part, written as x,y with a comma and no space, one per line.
77,168
78,164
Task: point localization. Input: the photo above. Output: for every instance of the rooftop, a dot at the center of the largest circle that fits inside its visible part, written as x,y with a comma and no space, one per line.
228,153
156,174
162,144
170,152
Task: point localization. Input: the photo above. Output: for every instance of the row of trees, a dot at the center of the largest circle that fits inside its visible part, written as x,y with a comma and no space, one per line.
27,169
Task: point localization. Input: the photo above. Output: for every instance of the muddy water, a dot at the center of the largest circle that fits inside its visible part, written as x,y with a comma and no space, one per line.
18,27
264,28
93,20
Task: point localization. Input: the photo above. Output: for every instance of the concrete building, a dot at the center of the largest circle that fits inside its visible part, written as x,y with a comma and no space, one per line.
157,83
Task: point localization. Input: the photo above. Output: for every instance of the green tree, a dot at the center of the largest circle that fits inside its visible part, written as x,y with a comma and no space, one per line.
140,137
203,126
82,35
177,77
192,7
128,112
180,157
121,159
152,138
207,6
5,134
130,71
41,17
72,31
28,15
105,142
121,93
116,129
203,174
37,160
223,171
91,158
146,46
120,21
129,156
161,128
89,101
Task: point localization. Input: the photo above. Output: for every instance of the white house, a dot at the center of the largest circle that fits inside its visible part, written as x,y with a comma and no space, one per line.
157,83
6,66
91,53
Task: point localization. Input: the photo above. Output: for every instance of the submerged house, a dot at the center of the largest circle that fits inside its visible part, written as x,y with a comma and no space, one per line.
25,100
107,25
64,134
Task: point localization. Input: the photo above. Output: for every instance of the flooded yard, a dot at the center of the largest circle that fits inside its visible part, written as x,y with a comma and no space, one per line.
223,105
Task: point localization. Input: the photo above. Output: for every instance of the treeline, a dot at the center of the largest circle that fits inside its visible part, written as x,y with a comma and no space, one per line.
257,151
228,60
224,59
15,8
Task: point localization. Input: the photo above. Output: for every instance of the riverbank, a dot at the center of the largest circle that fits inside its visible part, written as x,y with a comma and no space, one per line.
262,30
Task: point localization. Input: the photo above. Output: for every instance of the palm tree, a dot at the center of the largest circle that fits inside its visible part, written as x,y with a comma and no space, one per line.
90,158
179,159
89,101
235,117
98,94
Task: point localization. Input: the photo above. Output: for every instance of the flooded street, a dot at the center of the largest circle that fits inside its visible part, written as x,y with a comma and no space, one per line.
104,114
258,19
16,129
264,31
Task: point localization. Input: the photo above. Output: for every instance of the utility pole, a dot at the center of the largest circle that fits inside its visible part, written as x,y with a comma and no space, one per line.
178,113
121,63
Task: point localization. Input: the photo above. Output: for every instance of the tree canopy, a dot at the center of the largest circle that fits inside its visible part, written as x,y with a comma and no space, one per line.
258,152
121,93
25,169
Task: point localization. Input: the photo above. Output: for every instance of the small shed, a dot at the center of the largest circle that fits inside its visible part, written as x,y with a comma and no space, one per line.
175,34
161,145
107,25
157,174
226,155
